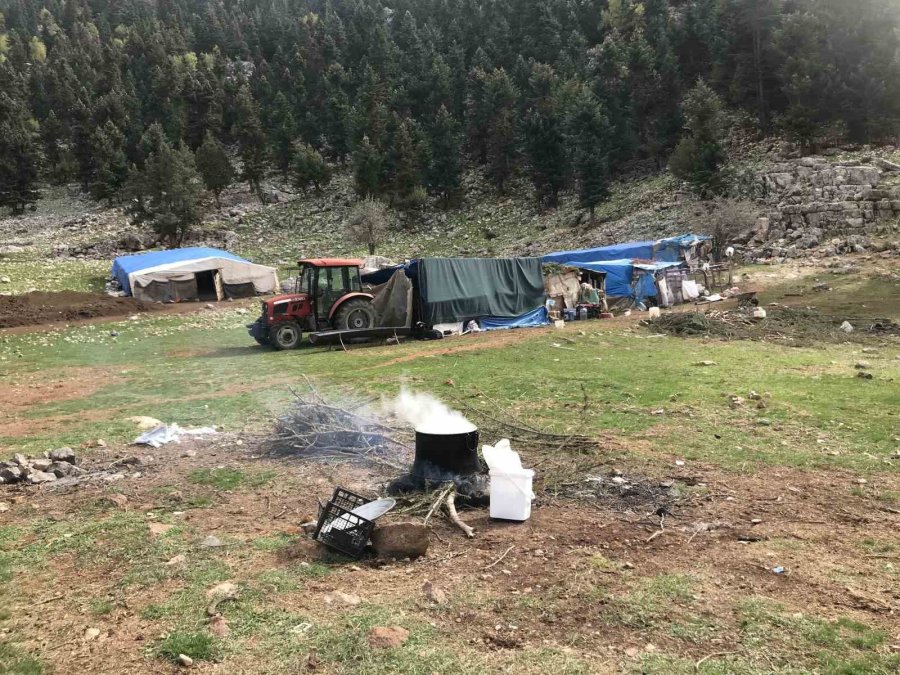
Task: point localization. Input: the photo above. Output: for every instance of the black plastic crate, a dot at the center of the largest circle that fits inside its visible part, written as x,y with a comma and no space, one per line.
340,529
348,500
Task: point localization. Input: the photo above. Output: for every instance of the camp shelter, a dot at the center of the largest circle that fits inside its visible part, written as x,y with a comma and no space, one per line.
629,278
186,274
496,292
671,249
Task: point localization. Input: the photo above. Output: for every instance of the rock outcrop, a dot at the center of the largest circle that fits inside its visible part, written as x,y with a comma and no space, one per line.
812,203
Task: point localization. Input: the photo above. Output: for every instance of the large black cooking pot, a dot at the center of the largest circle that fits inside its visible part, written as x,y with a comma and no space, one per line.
443,455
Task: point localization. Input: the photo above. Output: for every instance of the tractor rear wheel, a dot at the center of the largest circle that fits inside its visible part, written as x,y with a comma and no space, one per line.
355,314
286,336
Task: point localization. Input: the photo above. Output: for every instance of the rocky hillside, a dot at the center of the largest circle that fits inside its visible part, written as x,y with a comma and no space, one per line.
800,206
831,204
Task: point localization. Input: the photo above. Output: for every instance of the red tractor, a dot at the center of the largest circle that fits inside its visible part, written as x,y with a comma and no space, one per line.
327,296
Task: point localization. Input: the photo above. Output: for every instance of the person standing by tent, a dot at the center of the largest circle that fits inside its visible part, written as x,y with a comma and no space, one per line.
588,295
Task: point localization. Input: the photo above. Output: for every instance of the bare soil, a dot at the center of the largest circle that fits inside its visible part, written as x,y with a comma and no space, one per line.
43,308
557,579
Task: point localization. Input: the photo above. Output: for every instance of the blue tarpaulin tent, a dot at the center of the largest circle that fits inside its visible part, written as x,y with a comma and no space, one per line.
620,277
174,274
663,250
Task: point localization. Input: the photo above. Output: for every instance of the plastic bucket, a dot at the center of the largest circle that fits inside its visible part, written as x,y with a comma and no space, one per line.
511,494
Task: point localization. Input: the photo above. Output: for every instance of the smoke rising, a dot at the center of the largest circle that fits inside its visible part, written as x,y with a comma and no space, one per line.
428,415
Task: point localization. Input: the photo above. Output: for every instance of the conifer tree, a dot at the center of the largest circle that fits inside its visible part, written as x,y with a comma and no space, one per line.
283,132
251,141
699,156
309,167
166,194
368,165
19,156
544,138
498,110
408,158
214,166
589,134
445,169
110,163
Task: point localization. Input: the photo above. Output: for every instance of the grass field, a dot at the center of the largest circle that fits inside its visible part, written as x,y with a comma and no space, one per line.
812,451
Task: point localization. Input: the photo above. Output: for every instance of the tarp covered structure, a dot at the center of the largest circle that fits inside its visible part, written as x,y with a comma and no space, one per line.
671,249
184,274
455,289
497,292
627,279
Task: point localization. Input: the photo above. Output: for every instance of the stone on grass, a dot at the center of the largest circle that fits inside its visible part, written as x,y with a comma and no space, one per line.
434,594
11,474
91,633
386,637
400,540
41,464
61,469
226,589
185,660
36,477
210,542
64,455
341,598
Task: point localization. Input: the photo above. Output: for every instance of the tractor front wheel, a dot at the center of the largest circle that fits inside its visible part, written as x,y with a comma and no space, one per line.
355,314
286,336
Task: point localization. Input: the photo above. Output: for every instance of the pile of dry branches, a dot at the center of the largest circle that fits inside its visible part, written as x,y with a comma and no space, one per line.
313,427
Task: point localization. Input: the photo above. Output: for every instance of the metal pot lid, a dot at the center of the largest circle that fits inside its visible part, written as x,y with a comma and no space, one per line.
376,509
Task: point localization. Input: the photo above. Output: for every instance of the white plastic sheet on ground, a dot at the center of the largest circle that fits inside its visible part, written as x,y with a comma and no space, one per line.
169,433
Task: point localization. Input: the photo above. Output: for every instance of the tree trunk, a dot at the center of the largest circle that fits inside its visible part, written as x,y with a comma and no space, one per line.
757,62
591,211
371,248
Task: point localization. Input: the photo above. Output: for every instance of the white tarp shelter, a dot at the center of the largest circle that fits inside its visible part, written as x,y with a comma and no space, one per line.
185,274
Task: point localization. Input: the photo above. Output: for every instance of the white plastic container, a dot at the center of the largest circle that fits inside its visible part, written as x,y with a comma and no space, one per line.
511,494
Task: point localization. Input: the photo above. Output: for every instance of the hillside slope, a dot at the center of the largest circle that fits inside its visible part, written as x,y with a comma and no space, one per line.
792,207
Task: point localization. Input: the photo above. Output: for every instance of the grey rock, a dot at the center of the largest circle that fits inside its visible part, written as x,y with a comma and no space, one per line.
11,474
64,455
210,542
36,477
886,165
20,459
40,464
62,469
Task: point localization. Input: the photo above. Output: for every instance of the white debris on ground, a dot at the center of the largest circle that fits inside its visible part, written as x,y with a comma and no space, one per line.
170,433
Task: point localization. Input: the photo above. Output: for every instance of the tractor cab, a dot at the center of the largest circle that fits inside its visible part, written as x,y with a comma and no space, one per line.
327,295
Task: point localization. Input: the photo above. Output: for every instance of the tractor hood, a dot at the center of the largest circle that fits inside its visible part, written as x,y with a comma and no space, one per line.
289,297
